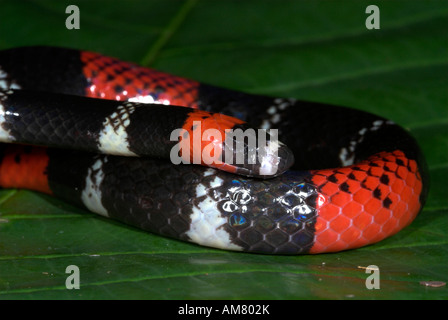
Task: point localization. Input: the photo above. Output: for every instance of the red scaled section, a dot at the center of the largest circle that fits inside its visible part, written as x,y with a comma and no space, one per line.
25,168
366,202
206,139
110,78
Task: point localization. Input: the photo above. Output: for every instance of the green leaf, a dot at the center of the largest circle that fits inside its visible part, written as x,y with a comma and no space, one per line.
314,50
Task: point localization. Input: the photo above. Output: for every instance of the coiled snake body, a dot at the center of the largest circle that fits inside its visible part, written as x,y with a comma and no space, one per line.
357,178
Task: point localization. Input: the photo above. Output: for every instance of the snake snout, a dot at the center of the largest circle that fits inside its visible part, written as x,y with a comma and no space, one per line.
253,155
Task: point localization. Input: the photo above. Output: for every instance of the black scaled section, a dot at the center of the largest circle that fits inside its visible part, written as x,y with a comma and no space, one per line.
67,172
307,128
62,69
232,103
270,217
55,119
150,128
152,195
275,216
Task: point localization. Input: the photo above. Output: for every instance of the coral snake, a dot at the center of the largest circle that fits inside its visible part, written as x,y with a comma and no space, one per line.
357,178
